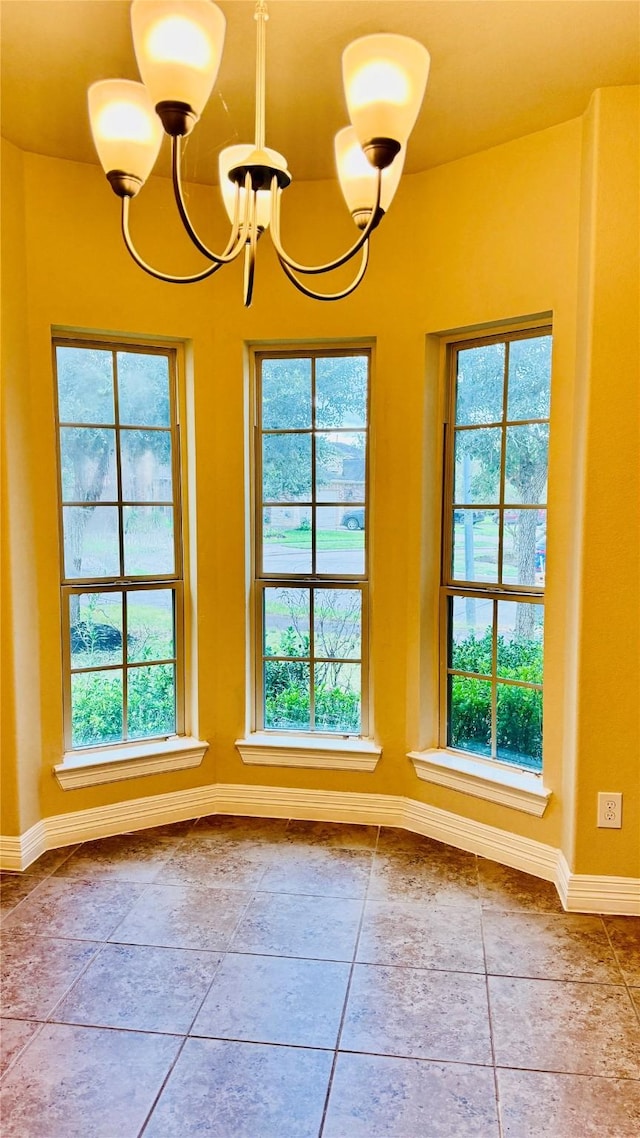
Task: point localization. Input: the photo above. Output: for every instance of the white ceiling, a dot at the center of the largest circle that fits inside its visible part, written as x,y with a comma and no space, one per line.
499,69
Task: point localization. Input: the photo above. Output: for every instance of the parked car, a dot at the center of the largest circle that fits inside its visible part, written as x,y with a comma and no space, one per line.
354,519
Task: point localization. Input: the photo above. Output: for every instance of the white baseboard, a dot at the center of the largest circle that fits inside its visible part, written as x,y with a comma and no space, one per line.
578,893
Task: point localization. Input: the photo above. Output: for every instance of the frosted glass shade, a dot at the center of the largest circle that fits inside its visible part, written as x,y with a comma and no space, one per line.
385,77
178,46
357,176
126,130
235,156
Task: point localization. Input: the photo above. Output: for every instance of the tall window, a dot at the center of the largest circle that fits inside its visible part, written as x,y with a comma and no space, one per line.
120,542
311,541
494,548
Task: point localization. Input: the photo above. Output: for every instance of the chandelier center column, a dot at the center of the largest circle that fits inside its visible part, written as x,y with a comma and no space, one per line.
261,17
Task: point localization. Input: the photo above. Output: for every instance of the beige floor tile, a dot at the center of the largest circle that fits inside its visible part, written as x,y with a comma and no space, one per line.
375,1096
14,887
411,868
14,1036
139,987
319,928
222,1089
558,1025
418,1014
271,999
37,971
422,936
549,946
538,1105
319,871
68,907
229,865
127,857
338,835
183,916
49,861
511,890
72,1082
625,938
228,827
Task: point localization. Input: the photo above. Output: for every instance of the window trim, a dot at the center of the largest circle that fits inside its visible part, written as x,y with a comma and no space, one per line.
470,767
281,751
137,754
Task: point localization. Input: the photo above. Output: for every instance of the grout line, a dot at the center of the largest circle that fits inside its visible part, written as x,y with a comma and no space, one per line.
635,1006
347,992
496,1086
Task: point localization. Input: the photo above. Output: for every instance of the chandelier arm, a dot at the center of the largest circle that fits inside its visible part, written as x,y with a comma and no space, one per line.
329,295
250,244
235,243
147,268
374,220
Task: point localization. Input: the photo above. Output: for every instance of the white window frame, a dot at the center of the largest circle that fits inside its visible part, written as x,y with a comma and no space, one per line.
129,757
490,778
307,748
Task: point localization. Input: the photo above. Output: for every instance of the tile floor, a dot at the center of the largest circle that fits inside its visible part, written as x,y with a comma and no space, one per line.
247,978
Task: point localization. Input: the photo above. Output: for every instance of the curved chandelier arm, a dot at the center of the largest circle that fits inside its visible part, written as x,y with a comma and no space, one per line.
147,268
330,295
236,239
285,260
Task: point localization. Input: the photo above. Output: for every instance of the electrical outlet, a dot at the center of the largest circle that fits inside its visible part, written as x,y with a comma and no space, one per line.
610,810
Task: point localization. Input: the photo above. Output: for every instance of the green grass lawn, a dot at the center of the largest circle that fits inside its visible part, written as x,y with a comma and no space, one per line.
325,538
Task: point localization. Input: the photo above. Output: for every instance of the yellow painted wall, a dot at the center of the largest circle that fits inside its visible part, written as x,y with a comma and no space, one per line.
489,238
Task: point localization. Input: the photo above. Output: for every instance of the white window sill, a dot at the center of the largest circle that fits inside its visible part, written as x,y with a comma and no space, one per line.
483,778
338,754
113,764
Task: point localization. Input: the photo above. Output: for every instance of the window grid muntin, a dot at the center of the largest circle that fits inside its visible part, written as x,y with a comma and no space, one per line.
264,579
496,591
126,584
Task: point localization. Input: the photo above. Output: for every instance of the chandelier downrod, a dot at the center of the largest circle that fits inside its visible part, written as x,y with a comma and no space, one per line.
178,45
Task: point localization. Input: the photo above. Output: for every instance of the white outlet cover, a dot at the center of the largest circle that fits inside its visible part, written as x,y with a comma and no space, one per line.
610,810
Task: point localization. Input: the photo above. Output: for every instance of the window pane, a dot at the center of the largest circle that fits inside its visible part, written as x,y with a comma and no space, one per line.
341,391
477,469
475,545
524,547
337,698
337,623
519,649
150,625
286,393
146,466
480,384
526,463
286,468
470,714
471,634
91,547
340,467
143,390
148,540
95,621
286,539
85,385
88,464
96,708
286,622
339,547
529,378
151,701
519,715
286,695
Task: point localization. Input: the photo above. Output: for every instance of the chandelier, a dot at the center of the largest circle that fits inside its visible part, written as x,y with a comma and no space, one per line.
178,46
